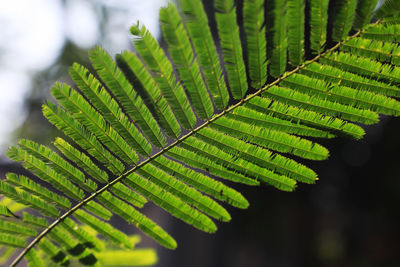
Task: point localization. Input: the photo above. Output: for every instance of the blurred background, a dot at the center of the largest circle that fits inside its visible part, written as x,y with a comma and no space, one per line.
351,217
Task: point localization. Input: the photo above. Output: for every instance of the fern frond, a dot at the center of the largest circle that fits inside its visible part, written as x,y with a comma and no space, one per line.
340,77
196,22
324,106
307,117
133,67
162,71
343,19
228,33
382,52
44,172
204,183
269,121
278,42
110,109
364,13
343,95
72,128
318,24
272,139
127,96
256,45
184,60
295,13
385,33
203,163
94,122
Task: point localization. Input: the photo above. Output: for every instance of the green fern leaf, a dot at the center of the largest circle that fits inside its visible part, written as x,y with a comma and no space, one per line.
228,32
197,25
187,65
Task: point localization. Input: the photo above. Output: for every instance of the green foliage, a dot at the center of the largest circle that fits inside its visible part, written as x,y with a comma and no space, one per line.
154,130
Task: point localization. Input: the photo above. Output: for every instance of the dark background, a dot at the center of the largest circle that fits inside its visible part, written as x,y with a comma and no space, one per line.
349,218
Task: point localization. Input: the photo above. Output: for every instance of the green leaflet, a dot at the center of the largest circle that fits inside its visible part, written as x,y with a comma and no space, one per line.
366,66
256,44
81,160
83,236
388,7
318,24
277,37
164,177
139,220
245,167
152,96
162,71
38,190
108,106
137,257
12,241
103,228
383,32
295,13
16,228
272,139
383,52
260,119
306,117
204,183
228,33
322,105
257,155
44,172
343,95
176,206
343,19
53,252
72,128
364,13
4,211
58,164
197,161
340,77
94,122
128,195
127,96
186,64
33,259
25,198
197,25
